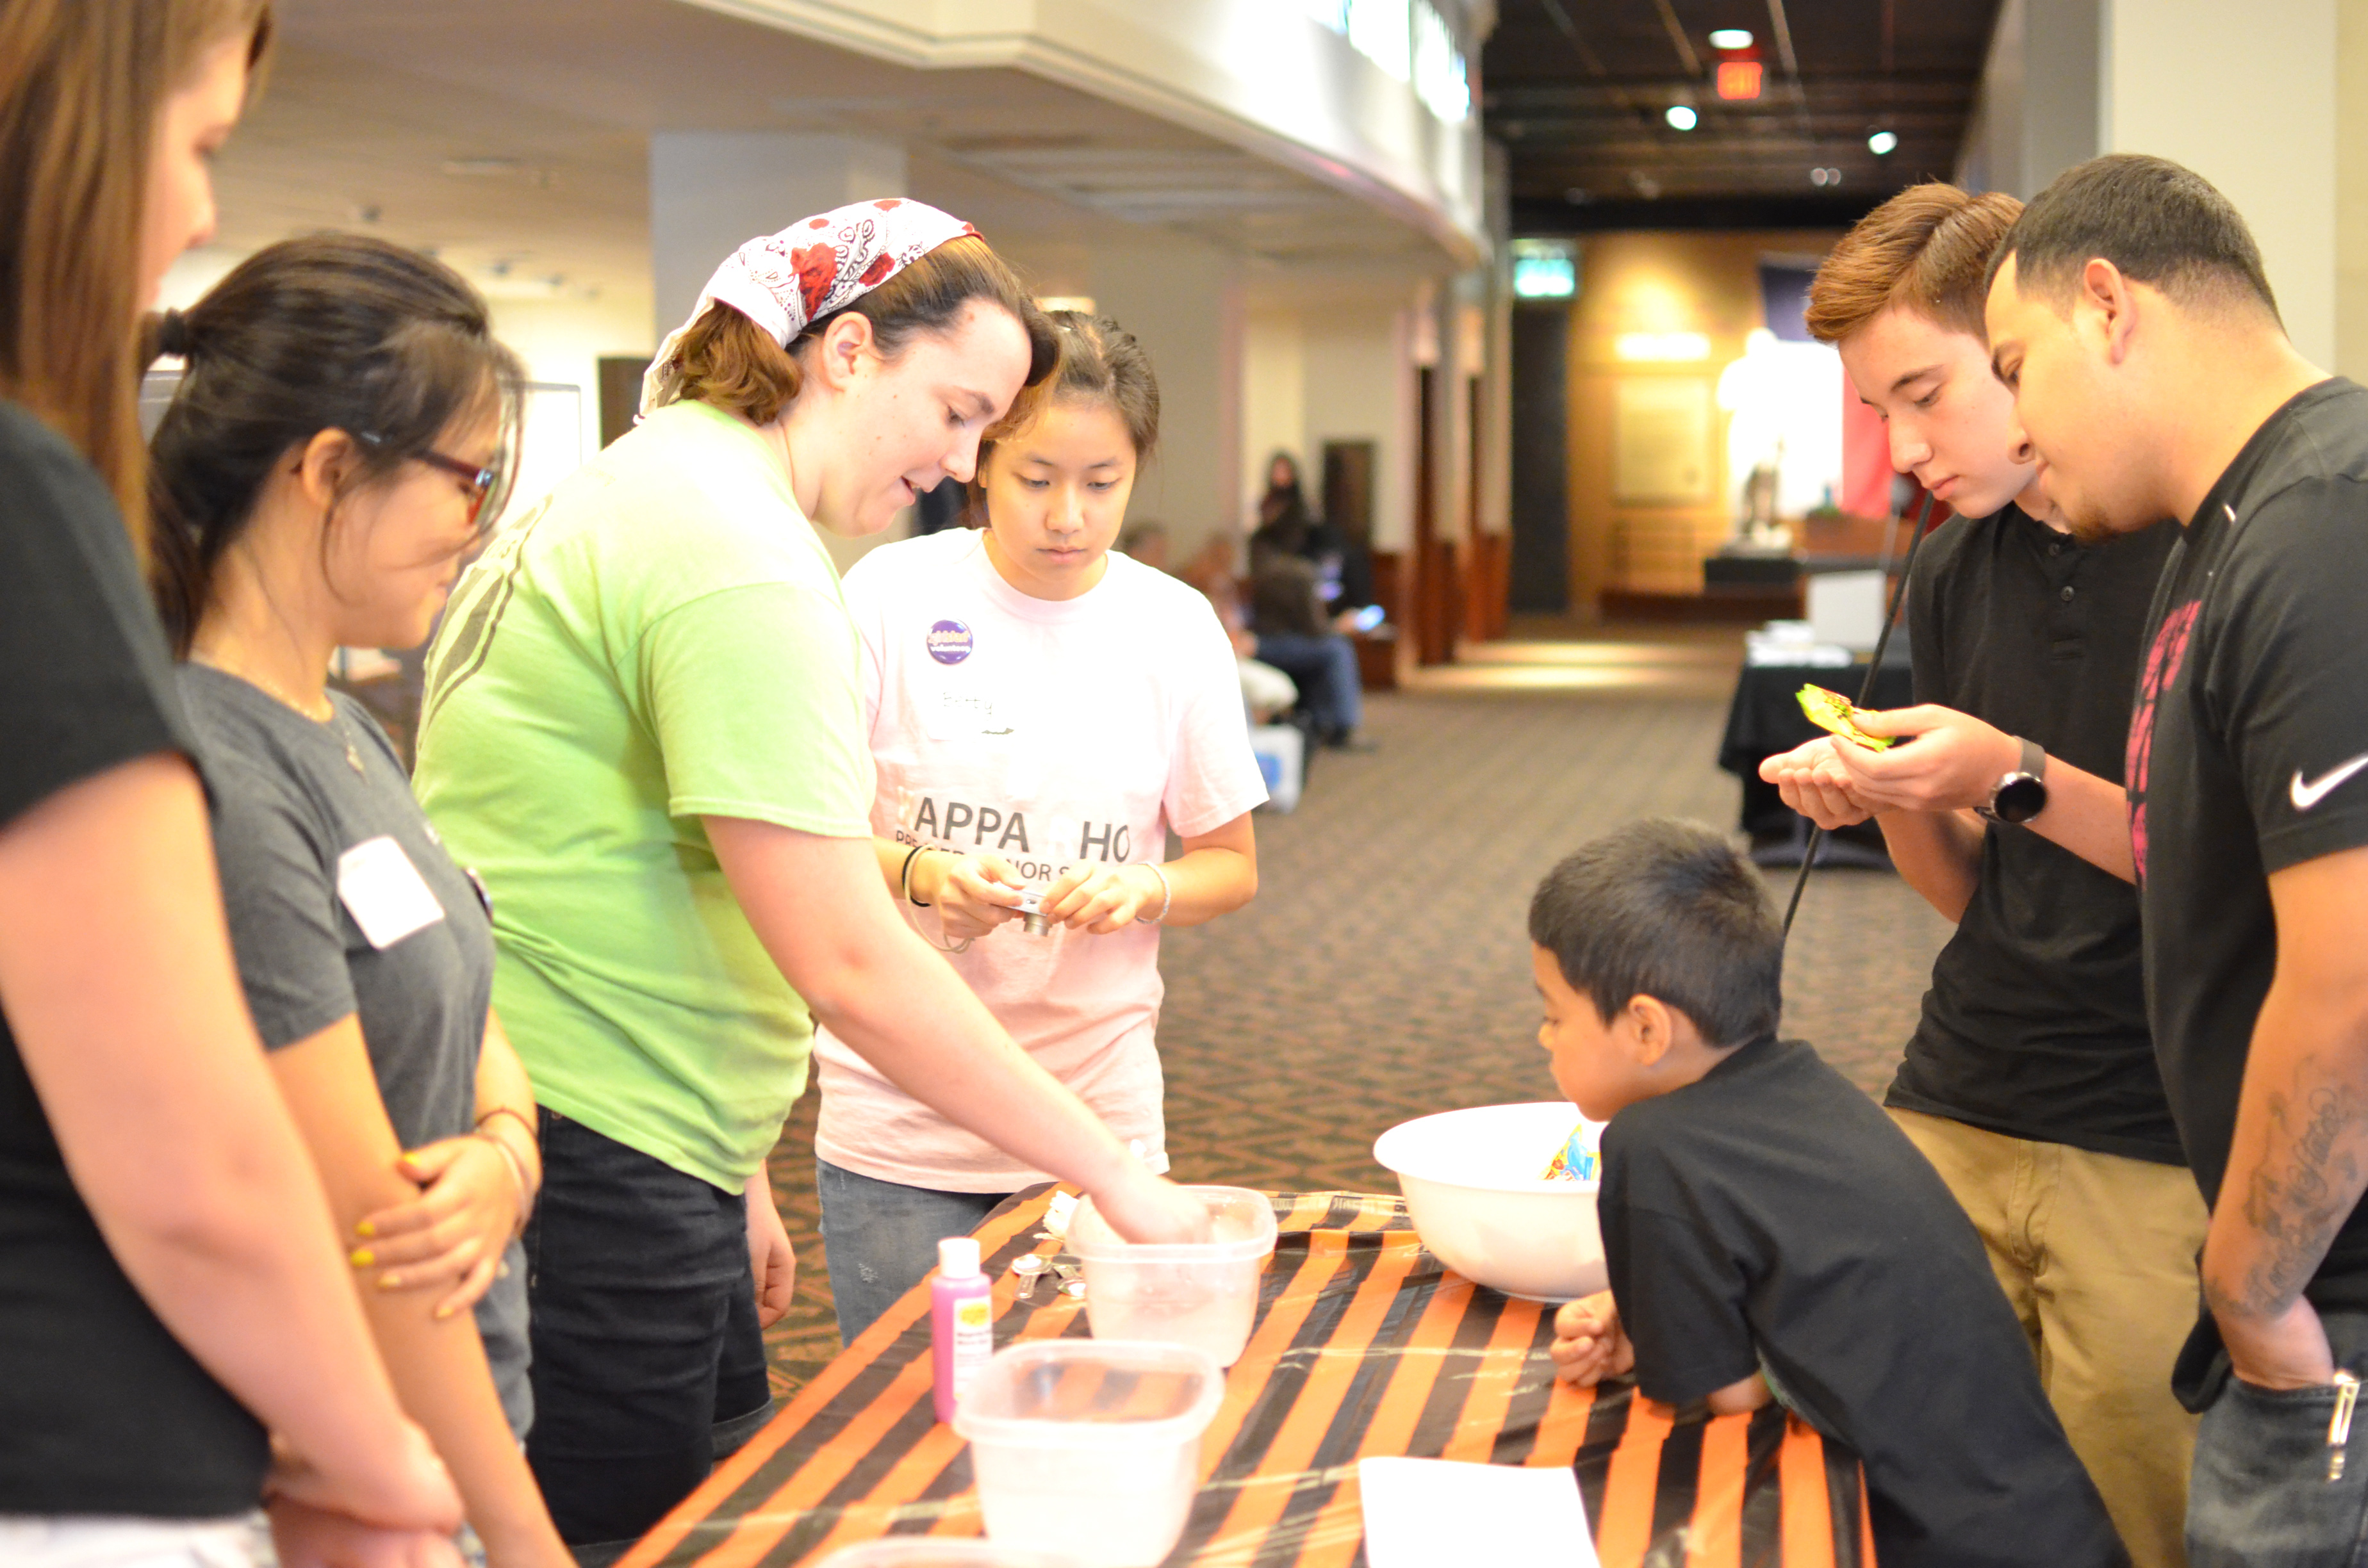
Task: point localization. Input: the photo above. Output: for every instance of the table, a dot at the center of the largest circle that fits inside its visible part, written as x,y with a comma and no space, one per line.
1365,1345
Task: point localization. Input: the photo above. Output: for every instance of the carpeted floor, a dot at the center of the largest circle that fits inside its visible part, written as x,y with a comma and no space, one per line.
1382,971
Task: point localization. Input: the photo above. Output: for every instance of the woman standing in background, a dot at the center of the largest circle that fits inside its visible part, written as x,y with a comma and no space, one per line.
173,1286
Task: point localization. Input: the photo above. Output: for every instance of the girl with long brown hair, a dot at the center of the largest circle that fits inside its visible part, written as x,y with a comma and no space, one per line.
173,1290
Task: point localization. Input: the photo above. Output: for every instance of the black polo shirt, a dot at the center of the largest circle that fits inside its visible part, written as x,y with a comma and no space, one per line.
2249,754
1769,1216
2035,1023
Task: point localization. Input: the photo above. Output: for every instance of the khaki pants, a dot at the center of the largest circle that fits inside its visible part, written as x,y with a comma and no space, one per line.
2097,1255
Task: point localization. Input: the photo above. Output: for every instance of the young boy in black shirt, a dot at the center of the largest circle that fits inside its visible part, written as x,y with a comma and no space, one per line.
1770,1233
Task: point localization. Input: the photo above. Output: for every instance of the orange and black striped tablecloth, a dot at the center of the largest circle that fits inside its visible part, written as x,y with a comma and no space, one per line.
1365,1345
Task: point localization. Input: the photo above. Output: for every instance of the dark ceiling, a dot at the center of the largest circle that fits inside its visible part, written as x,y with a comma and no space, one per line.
1578,90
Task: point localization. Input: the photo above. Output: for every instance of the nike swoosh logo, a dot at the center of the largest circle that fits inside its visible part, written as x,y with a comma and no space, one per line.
2307,795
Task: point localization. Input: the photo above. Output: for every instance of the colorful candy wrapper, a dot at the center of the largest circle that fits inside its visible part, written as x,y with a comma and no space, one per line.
1832,710
1575,1161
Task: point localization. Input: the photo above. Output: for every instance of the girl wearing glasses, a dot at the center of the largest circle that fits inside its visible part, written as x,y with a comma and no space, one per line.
325,464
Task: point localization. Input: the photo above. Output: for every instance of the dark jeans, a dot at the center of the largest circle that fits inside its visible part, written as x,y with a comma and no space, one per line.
648,1363
1324,669
882,1238
2260,1497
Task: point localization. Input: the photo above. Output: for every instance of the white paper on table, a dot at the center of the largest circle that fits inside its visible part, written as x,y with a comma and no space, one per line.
1422,1512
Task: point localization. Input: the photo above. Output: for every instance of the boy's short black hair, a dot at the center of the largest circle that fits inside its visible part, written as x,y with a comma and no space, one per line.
2159,221
1669,910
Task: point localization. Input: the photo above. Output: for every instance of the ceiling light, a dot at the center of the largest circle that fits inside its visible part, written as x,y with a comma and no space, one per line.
1681,116
1730,38
1882,141
1826,175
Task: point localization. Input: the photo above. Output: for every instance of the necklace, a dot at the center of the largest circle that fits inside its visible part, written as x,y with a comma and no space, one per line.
334,722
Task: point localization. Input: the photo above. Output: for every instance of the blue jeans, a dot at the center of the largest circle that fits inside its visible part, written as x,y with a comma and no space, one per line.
882,1238
648,1362
1325,670
2260,1497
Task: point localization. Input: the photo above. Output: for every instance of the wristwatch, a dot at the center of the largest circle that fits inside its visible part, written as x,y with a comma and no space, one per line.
2020,795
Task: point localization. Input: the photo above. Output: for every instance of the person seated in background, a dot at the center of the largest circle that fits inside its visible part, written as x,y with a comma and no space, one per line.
1293,635
1268,694
1286,524
1769,1232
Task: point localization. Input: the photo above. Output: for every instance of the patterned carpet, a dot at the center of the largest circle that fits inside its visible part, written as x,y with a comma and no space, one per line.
1382,974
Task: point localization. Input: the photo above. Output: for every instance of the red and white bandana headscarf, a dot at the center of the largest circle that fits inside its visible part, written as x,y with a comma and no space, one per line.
815,266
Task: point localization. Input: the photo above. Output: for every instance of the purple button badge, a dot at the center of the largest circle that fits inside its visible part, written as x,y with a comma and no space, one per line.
950,642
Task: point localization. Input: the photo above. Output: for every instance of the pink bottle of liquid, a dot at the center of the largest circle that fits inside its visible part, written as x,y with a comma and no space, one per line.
961,1321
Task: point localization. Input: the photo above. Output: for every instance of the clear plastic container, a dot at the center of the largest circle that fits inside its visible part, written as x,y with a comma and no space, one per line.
933,1551
1203,1294
1090,1446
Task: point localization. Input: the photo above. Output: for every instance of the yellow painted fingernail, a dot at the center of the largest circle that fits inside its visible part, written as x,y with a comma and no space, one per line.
365,1230
443,1312
363,1257
390,1280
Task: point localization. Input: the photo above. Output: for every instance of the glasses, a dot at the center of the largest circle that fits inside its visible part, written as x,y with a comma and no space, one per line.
485,485
480,480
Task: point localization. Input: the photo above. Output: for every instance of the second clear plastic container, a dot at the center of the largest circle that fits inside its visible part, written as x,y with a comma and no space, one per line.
1204,1295
1090,1448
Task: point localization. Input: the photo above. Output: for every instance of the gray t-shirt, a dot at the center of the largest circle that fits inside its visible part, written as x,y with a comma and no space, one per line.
318,857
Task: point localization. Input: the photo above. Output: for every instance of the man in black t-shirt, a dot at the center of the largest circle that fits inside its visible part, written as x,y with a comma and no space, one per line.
2129,313
1769,1234
2031,1082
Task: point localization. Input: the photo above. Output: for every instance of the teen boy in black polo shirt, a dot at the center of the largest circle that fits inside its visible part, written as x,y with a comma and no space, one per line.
2129,313
2030,1081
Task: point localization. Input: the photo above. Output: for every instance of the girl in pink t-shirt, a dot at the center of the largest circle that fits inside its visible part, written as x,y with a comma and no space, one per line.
1042,713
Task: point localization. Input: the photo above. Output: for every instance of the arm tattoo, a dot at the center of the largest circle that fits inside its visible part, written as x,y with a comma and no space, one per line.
2306,1181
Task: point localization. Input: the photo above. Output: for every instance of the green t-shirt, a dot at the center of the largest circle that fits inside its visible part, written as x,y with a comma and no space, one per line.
664,639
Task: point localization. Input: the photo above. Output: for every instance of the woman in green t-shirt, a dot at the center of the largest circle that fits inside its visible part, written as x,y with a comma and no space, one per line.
643,727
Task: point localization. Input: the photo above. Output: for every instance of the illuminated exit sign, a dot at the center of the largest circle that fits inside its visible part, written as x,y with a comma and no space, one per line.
1738,78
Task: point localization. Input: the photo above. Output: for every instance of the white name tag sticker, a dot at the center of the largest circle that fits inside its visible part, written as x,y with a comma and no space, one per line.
956,715
384,893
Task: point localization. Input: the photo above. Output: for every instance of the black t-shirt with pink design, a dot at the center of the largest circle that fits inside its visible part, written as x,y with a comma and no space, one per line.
2249,754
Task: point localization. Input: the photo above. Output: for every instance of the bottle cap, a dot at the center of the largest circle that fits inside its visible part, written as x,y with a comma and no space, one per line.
958,1257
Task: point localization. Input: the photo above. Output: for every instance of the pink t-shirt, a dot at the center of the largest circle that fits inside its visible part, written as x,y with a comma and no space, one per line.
1049,732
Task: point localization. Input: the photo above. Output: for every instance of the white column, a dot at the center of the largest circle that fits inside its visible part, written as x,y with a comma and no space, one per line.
711,192
2246,97
1183,302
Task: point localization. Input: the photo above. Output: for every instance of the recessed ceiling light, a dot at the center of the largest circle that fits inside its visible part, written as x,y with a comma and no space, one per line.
1882,141
1731,38
1681,117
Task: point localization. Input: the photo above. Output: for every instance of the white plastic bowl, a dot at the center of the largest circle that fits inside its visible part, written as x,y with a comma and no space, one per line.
1090,1448
1204,1295
1473,1182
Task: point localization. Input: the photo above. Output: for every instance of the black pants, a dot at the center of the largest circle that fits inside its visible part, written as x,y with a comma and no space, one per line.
648,1363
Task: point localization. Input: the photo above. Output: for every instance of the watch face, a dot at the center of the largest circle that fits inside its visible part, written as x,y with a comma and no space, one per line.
2020,799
